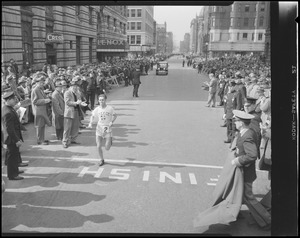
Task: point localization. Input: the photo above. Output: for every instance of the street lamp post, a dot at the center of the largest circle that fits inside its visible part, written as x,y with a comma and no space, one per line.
206,50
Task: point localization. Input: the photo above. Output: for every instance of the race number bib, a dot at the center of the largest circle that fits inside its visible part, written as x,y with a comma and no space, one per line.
104,129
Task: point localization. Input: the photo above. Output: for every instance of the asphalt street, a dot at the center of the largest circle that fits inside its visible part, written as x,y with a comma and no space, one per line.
160,173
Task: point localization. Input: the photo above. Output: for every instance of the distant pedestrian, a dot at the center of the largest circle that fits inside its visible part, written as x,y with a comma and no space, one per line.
136,81
183,62
105,116
213,84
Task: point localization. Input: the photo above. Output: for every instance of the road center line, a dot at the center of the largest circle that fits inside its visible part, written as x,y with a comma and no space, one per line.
126,161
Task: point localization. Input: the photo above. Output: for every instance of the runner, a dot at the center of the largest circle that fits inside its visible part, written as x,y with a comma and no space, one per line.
105,116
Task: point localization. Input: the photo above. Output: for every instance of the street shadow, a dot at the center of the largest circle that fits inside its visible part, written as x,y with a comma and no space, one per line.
55,198
39,217
41,151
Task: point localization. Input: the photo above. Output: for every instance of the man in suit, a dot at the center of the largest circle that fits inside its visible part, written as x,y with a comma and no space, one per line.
71,114
12,135
245,156
40,102
58,108
136,81
213,84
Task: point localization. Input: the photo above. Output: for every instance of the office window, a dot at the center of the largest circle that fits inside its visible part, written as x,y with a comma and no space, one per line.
246,21
132,40
90,50
127,25
262,7
220,36
139,26
238,36
115,24
252,36
247,8
127,12
128,39
132,12
260,35
238,22
138,39
245,36
132,26
139,12
78,50
261,21
77,10
121,27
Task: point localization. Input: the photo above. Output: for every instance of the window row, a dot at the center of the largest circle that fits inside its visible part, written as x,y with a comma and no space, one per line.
245,22
240,36
247,7
134,26
134,39
134,12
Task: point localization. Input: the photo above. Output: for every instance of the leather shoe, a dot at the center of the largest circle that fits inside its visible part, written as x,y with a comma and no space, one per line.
21,171
65,145
16,178
74,142
227,141
22,165
45,143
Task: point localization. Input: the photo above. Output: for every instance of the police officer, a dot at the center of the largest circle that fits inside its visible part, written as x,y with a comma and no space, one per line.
12,135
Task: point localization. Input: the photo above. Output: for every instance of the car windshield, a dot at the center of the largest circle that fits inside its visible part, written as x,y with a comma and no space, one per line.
163,65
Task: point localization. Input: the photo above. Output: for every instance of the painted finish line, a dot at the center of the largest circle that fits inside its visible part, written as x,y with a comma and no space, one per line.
124,161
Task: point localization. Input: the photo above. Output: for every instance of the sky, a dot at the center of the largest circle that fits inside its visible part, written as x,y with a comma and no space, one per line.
178,19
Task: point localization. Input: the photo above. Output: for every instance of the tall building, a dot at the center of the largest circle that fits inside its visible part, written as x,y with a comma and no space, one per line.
169,43
111,32
62,35
161,37
186,41
193,35
238,28
140,29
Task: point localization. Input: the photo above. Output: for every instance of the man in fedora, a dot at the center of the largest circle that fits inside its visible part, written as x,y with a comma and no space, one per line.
71,114
58,108
12,135
246,153
39,108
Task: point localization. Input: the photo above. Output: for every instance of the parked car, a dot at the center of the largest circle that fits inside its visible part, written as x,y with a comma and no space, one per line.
162,67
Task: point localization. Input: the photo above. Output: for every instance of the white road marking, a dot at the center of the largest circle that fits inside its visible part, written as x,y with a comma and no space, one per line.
214,179
125,161
211,184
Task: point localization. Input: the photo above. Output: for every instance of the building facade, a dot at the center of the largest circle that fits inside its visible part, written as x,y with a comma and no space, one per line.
140,29
169,40
62,35
111,32
239,28
161,38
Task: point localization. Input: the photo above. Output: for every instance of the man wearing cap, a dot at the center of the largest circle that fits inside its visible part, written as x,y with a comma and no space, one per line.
213,84
246,153
58,108
71,114
40,102
12,135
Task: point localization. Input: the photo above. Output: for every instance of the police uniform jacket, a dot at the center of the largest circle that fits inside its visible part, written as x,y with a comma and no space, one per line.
11,125
247,153
58,108
39,107
230,104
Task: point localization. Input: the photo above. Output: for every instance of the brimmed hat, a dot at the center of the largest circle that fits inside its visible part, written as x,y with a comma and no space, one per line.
40,78
8,94
242,115
58,83
75,80
250,100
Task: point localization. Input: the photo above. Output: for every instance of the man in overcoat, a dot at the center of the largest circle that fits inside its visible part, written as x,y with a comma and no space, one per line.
245,156
58,108
12,135
136,81
40,102
71,114
213,84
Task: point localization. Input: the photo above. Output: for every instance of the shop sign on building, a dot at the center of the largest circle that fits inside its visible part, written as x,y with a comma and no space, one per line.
111,44
54,38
